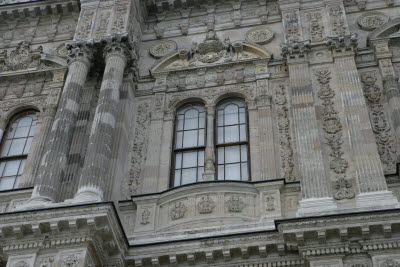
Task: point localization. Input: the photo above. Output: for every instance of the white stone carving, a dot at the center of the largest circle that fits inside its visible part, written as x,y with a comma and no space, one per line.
259,35
21,264
389,263
70,261
162,48
178,210
372,20
236,204
206,204
145,216
23,57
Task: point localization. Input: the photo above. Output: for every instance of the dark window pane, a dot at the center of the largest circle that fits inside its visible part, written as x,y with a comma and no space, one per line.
201,138
242,115
178,160
243,153
22,132
232,154
190,138
220,135
189,175
221,155
231,134
179,140
177,178
220,172
231,114
243,134
189,159
244,172
232,171
191,119
201,158
11,168
6,148
17,147
7,183
180,123
220,117
202,120
28,145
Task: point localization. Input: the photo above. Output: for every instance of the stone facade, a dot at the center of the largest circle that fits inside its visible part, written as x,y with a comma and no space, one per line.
106,79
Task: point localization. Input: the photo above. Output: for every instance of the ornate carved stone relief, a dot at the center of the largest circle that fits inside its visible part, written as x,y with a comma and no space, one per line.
286,150
389,263
380,125
206,204
235,203
162,48
70,261
270,202
292,27
46,262
333,135
178,210
259,35
139,148
102,23
23,57
291,49
120,12
371,20
85,25
338,23
21,264
145,216
315,26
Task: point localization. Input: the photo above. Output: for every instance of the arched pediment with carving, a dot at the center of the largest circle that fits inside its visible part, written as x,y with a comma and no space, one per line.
390,29
210,52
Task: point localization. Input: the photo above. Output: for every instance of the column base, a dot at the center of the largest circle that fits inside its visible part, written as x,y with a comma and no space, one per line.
209,176
86,194
36,202
316,206
377,200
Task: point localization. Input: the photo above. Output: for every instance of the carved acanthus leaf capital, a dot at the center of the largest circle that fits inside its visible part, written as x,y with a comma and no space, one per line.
347,42
298,48
80,51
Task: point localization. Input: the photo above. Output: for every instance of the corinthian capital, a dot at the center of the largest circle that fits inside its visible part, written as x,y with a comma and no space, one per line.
119,45
80,51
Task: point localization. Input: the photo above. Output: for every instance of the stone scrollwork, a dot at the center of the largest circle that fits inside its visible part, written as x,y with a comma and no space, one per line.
23,57
286,150
315,26
139,148
178,210
292,27
334,135
206,204
380,125
338,24
259,35
85,24
371,20
70,261
235,204
162,48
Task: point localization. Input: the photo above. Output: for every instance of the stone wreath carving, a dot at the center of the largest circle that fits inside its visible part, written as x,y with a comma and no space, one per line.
70,261
380,125
23,57
139,147
371,20
259,35
206,204
333,135
21,264
286,150
178,210
390,263
235,204
145,217
162,48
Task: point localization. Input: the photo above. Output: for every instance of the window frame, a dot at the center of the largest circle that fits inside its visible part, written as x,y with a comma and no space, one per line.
186,149
21,156
238,143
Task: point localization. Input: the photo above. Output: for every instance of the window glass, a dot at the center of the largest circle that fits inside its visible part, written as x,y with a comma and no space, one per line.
16,144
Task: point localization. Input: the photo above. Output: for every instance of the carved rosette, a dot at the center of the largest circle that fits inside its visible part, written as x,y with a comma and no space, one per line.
139,147
206,205
162,48
286,150
70,261
371,20
178,210
380,125
259,35
333,135
236,204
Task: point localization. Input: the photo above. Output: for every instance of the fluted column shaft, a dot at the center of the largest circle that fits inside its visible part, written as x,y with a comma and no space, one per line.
57,147
209,172
99,150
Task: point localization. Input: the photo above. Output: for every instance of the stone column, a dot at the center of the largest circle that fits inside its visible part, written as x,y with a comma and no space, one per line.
33,162
369,174
99,150
57,147
316,196
209,170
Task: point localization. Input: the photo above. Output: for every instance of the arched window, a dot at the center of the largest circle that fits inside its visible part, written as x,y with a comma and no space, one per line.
15,147
232,141
189,145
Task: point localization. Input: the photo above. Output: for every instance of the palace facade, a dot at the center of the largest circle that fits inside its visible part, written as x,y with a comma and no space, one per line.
245,133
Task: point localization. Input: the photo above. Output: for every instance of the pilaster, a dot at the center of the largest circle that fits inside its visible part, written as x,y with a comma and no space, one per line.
209,171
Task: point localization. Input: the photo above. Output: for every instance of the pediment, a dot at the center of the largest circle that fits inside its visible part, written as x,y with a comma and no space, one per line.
390,29
211,52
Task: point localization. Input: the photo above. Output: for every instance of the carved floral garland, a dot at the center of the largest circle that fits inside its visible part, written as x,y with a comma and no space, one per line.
284,135
139,149
380,125
333,135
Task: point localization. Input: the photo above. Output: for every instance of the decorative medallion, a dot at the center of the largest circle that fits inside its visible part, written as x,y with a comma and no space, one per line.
23,57
259,35
162,48
62,51
145,219
236,204
70,261
206,204
178,210
372,20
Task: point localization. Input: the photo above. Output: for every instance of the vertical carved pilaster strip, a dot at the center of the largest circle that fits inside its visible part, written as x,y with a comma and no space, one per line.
57,147
254,147
266,138
165,155
99,150
209,171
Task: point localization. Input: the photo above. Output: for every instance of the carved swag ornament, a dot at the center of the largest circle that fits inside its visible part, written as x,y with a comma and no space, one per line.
23,57
333,135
